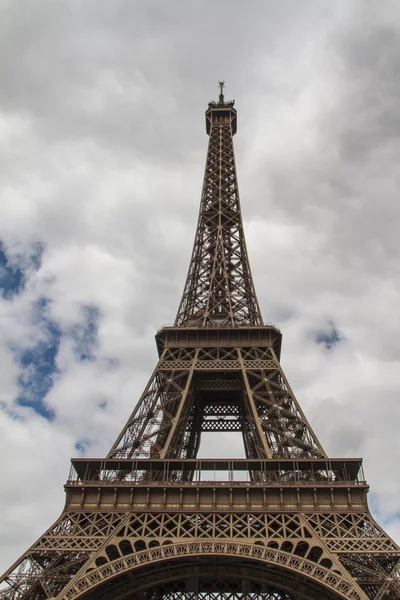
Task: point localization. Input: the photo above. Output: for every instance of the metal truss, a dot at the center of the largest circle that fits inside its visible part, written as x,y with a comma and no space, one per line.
84,549
245,388
151,521
105,542
219,289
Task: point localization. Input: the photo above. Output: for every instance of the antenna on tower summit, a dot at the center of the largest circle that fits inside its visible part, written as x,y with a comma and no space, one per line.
221,85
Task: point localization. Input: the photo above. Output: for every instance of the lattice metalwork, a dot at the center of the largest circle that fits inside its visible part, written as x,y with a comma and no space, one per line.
219,289
224,580
151,521
123,539
173,410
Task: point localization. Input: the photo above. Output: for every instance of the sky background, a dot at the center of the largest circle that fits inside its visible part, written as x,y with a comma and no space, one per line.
102,151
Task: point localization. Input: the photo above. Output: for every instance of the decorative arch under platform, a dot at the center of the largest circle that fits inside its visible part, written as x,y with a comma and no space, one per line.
212,569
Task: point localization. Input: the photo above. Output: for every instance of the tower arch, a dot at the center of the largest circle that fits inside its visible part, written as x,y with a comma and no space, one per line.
189,568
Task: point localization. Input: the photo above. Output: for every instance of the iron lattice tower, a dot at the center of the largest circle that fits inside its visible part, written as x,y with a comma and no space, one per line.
152,521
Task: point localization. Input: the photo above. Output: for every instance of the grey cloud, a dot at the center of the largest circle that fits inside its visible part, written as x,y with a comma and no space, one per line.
371,63
103,71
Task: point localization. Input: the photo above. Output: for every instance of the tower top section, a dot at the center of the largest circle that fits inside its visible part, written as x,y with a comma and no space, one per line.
221,111
219,289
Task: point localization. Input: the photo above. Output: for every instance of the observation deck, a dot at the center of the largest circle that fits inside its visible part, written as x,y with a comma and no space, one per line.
255,485
257,336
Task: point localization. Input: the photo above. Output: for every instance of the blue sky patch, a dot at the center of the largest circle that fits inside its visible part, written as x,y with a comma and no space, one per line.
82,446
38,363
11,276
85,333
328,337
38,366
13,269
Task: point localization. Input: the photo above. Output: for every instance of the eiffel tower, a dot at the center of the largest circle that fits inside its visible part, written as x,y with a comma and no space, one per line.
151,520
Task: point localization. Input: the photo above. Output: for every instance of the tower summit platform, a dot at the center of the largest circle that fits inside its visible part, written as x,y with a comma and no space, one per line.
221,110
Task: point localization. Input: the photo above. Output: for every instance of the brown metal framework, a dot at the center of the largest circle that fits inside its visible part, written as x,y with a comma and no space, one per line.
152,521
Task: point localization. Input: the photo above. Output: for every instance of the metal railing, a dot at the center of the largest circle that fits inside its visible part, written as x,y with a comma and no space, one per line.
217,326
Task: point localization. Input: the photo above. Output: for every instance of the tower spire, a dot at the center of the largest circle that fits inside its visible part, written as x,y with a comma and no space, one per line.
219,289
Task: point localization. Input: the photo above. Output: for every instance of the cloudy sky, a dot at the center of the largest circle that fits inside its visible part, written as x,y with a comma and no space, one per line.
102,150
